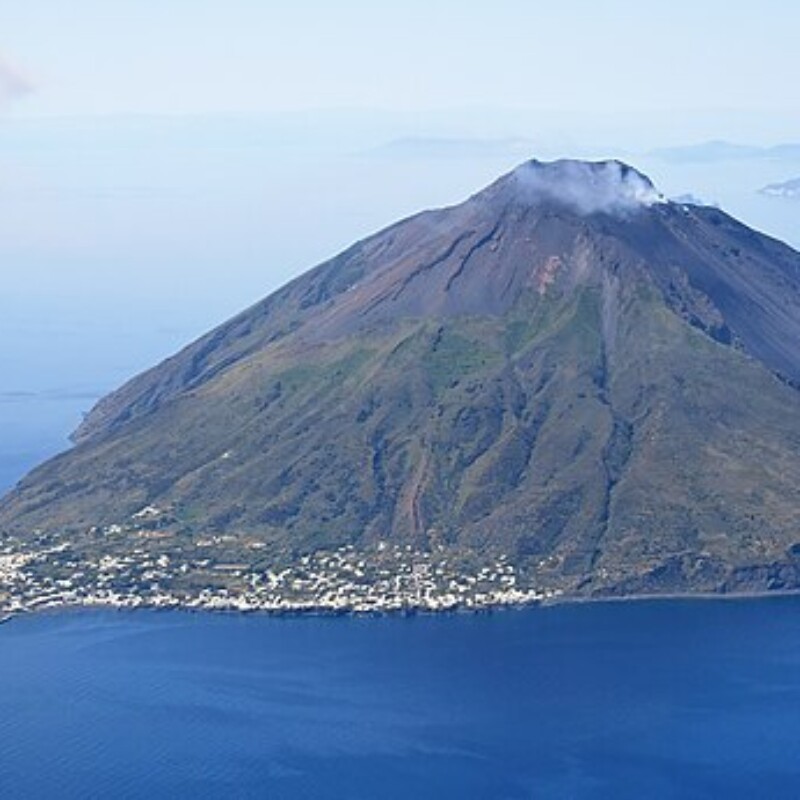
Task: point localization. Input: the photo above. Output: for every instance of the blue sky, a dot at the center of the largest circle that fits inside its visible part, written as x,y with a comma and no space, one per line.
209,56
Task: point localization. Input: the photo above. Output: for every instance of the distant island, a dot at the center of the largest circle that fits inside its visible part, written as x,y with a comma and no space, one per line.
788,189
566,387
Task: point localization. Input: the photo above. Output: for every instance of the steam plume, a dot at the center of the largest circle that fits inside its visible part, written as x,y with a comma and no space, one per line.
587,187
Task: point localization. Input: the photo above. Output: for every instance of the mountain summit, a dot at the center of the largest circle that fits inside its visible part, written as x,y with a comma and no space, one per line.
585,187
565,369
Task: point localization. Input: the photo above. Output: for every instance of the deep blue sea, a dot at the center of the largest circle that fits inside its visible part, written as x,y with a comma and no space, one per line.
668,699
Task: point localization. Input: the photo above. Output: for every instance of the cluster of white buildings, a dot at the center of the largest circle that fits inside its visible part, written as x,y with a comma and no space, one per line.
383,579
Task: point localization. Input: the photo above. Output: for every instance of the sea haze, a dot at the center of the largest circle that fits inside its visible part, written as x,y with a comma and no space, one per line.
662,699
57,358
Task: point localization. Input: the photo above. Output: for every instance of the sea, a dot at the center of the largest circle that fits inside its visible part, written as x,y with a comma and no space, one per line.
627,700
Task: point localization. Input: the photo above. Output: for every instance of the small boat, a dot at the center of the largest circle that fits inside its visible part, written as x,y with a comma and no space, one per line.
5,618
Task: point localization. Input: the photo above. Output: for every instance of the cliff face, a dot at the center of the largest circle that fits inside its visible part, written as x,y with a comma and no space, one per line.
564,368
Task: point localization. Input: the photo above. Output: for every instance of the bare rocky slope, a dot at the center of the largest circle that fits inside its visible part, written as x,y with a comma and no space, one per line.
565,368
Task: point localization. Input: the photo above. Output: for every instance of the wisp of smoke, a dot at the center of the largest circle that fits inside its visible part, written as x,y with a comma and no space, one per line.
608,187
13,84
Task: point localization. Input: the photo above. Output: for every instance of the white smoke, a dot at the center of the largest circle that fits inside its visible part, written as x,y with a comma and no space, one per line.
608,187
13,83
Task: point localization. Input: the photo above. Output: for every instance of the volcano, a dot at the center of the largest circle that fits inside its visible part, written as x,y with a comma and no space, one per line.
567,369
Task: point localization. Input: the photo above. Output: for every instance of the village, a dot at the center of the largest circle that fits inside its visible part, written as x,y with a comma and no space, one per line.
152,571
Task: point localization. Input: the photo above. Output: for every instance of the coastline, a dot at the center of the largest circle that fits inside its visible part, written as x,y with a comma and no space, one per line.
460,610
134,571
639,597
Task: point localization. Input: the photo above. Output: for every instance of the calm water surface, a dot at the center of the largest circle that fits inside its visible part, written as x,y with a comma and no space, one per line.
641,700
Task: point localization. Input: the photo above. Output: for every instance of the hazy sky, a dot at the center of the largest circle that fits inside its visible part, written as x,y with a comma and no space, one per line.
174,56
